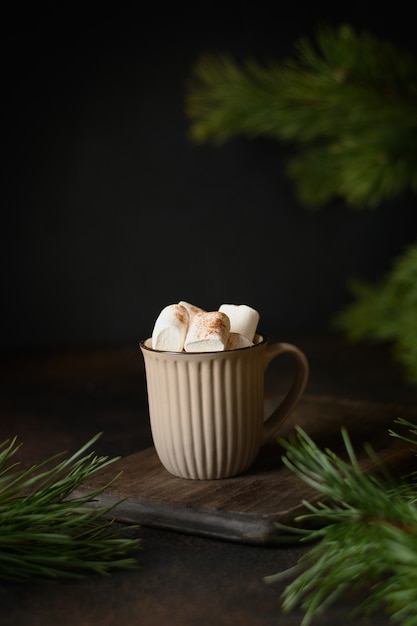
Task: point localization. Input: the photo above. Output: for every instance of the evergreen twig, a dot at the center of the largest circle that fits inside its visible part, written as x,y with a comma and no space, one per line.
46,533
365,534
387,312
348,103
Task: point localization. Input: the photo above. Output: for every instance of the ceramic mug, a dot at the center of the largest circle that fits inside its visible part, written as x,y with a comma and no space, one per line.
206,409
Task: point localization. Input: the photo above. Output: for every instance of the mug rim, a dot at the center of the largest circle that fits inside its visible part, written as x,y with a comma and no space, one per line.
262,340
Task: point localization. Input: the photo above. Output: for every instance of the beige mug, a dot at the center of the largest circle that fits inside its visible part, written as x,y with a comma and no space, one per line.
206,409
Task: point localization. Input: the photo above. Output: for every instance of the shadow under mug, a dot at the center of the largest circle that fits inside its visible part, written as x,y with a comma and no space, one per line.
206,409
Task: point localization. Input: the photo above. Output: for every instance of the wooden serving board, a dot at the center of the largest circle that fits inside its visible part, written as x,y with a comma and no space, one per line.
246,508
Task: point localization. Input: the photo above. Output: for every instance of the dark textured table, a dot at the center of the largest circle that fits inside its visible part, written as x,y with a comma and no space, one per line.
55,400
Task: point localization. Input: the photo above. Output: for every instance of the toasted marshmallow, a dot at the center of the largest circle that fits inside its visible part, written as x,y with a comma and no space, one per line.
191,308
243,319
170,328
236,341
208,332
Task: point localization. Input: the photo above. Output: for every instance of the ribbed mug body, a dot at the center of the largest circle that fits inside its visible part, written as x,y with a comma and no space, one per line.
206,409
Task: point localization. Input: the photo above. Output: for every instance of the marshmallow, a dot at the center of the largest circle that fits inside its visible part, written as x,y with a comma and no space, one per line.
243,319
170,328
191,308
236,341
208,332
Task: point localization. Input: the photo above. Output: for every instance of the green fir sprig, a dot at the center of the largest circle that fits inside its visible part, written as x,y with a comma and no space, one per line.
347,103
364,533
386,312
48,534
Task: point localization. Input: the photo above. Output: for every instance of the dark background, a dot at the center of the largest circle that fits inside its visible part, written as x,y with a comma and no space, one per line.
110,212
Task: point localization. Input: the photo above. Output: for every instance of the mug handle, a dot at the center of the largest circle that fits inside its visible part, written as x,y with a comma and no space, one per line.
272,423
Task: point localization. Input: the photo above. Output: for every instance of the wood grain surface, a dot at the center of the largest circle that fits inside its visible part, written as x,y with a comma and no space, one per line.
247,508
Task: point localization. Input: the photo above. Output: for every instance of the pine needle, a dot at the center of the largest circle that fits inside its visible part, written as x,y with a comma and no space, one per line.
347,102
364,534
387,312
48,534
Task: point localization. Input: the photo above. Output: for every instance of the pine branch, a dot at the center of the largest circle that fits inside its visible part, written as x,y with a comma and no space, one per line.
48,534
387,312
349,103
365,535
